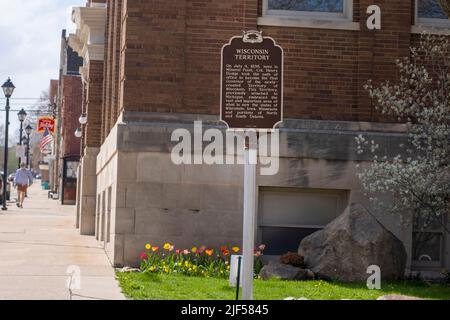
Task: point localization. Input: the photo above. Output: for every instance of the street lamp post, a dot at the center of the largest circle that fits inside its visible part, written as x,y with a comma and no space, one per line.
8,89
22,115
28,131
24,141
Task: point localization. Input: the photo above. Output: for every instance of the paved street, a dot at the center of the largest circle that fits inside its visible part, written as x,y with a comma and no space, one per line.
37,246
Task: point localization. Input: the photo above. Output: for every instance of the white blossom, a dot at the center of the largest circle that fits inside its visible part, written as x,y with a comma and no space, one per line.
419,181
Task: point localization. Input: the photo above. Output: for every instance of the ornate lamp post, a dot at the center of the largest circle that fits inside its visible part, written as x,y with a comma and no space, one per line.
8,89
28,131
22,115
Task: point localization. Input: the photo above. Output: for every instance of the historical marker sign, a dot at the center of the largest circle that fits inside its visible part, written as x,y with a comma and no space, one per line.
252,82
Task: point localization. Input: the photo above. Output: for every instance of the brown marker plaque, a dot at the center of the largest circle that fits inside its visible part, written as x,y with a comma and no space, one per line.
252,82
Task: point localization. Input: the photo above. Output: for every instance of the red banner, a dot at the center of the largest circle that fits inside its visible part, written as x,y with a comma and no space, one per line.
46,123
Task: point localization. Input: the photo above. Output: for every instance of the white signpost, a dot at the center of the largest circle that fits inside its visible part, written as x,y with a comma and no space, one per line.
249,220
251,100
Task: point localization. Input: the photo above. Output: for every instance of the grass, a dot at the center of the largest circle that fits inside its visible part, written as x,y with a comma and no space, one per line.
145,286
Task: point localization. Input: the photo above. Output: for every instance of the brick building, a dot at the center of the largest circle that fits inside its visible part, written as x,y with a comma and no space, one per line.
69,107
70,144
154,66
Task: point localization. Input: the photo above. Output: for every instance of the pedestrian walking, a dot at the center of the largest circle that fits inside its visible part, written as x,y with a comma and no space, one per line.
22,180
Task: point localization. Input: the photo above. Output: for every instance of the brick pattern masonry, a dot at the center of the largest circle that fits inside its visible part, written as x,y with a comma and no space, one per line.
164,56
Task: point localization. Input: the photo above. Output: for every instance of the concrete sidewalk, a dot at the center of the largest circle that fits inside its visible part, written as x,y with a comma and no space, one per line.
37,246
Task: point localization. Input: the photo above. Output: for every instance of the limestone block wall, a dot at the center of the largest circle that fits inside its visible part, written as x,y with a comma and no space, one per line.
87,192
152,200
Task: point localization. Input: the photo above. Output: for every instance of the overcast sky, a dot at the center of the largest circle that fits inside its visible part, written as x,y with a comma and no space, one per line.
30,33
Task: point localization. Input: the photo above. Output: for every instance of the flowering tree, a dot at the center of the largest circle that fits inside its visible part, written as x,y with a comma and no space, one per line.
419,179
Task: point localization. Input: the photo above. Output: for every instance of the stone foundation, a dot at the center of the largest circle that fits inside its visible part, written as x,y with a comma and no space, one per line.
145,198
87,193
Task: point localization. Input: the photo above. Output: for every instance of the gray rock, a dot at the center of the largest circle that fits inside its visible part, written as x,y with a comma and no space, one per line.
127,270
285,272
397,297
351,243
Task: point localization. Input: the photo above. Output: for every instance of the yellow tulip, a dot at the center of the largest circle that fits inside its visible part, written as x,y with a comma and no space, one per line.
148,246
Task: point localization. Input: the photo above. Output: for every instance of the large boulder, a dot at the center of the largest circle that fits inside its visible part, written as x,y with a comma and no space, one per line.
351,243
285,272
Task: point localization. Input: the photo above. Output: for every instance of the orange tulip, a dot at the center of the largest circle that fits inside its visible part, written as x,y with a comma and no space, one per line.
209,252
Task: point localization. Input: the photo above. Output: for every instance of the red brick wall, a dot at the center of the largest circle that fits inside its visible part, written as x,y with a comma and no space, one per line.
170,58
115,61
110,108
71,107
94,94
106,106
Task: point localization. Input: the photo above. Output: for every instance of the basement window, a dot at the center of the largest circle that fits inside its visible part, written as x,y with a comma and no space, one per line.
326,14
428,243
287,215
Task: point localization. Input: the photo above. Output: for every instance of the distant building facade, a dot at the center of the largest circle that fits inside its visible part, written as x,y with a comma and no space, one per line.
44,161
151,67
66,154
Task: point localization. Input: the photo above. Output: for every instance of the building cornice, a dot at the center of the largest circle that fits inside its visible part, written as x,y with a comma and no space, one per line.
89,39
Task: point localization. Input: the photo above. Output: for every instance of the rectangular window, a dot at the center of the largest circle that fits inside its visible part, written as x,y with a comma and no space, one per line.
430,9
309,9
320,14
336,6
429,13
428,243
427,247
287,215
71,169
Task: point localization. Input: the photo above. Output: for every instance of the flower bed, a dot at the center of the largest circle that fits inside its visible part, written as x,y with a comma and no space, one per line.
197,261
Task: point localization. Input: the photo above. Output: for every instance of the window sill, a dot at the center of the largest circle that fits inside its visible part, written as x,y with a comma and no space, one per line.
431,29
336,24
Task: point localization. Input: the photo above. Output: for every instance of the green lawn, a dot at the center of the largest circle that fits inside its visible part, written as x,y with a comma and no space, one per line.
144,286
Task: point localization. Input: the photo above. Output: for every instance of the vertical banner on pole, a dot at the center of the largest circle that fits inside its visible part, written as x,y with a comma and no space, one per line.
251,99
